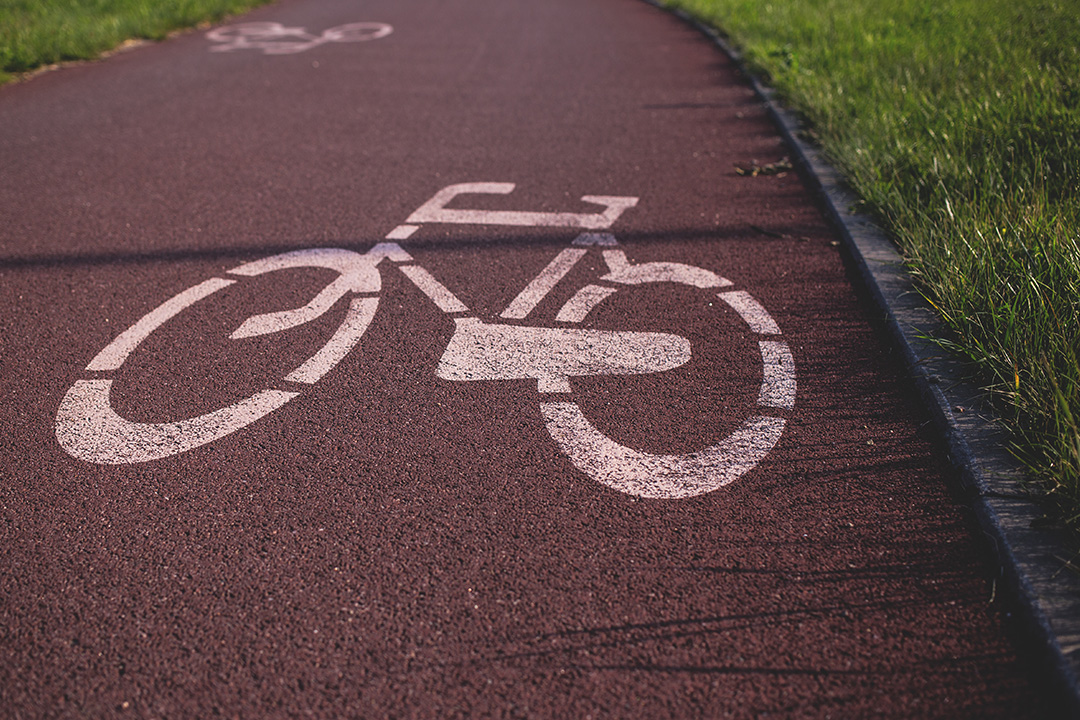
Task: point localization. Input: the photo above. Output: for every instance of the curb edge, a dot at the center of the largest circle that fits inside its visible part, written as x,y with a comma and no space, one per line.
1031,558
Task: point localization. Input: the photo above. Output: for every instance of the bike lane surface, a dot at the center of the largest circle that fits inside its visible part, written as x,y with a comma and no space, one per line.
426,528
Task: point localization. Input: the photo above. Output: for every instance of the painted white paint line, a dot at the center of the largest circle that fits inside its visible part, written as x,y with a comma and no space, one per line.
553,385
750,310
357,274
433,289
659,476
402,232
577,307
542,284
284,319
778,383
88,428
621,271
482,351
361,311
357,266
595,240
435,211
116,352
390,251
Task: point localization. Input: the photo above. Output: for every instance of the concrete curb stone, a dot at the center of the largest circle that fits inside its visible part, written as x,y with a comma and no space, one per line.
1030,552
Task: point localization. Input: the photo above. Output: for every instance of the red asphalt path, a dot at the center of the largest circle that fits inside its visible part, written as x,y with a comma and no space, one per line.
390,543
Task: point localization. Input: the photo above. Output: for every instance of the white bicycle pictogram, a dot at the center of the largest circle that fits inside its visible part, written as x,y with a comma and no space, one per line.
88,427
276,39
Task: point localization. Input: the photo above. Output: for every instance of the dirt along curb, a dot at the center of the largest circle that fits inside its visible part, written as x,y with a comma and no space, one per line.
1034,574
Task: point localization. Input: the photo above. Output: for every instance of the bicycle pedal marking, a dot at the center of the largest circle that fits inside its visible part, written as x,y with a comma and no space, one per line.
778,382
87,426
482,351
276,39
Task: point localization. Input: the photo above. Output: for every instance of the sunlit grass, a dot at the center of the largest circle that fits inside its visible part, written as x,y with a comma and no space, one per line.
958,122
41,32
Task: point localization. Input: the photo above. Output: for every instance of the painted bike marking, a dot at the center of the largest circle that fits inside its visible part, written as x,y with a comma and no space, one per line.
88,428
276,39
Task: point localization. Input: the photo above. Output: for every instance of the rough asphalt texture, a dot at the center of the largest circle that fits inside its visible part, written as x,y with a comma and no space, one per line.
391,544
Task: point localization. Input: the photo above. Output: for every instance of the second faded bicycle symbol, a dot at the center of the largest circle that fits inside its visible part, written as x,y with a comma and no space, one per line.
507,349
276,39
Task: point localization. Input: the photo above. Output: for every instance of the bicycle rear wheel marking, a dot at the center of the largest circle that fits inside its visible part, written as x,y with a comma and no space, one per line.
658,476
668,477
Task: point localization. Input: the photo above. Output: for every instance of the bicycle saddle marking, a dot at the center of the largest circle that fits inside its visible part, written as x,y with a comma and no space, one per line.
435,211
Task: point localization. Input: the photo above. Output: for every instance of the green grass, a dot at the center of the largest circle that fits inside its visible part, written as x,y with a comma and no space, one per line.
41,32
958,123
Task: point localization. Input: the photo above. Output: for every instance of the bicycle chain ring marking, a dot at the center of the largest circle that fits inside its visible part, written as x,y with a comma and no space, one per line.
273,38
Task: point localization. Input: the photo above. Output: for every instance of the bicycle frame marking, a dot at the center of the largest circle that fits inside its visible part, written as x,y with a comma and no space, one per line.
88,428
270,37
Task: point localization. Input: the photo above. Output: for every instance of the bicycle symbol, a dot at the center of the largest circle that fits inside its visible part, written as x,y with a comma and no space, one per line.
88,428
276,39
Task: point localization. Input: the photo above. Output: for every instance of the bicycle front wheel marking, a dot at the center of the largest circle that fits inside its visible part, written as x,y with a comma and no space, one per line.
88,428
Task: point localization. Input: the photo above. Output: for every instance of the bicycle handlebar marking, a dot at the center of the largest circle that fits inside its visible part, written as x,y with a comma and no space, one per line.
88,428
356,274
